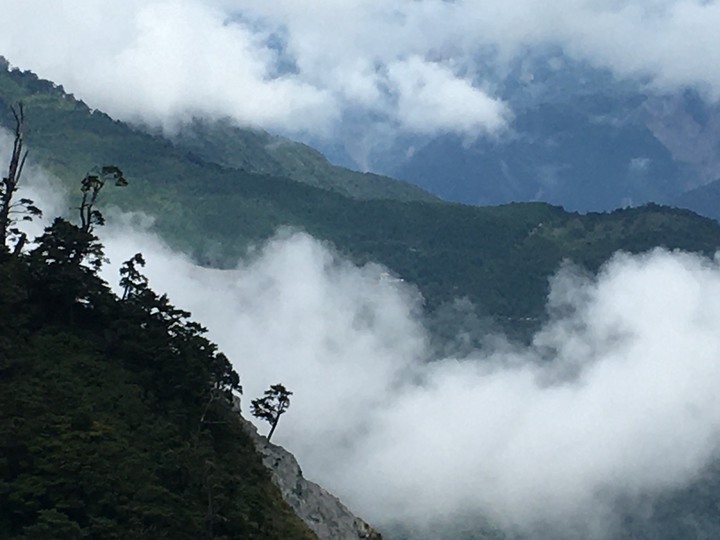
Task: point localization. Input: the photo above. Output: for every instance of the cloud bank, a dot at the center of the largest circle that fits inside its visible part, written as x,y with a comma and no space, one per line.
422,67
615,399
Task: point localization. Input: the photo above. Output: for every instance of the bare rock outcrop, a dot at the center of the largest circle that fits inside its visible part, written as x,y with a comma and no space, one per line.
326,516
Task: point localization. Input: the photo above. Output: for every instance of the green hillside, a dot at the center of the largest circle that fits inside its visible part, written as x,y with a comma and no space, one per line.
89,401
116,416
221,143
257,151
499,257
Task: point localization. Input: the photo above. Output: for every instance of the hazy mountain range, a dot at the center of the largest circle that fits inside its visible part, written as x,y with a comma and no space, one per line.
558,350
539,369
579,138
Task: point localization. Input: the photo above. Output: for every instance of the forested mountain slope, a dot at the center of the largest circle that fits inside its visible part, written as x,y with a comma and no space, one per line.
580,137
259,152
499,257
116,416
247,150
148,413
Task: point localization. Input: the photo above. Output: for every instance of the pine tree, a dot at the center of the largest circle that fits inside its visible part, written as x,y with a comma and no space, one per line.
272,405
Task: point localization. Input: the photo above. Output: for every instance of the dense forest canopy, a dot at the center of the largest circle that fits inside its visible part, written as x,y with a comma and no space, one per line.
117,413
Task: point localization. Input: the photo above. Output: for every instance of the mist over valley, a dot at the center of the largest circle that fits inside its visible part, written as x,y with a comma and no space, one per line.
518,339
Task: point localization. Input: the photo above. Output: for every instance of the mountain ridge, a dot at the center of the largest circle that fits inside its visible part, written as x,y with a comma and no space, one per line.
257,151
498,257
492,255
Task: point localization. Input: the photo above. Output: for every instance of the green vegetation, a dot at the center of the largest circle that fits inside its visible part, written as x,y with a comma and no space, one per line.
498,257
257,151
272,406
117,415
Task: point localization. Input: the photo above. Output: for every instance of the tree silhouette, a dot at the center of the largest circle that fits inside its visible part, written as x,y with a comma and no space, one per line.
272,405
9,186
91,185
132,280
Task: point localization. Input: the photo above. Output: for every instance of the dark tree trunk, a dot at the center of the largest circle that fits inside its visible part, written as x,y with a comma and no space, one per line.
274,425
10,182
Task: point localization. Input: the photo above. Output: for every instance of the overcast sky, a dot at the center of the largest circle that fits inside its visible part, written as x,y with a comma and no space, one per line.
303,67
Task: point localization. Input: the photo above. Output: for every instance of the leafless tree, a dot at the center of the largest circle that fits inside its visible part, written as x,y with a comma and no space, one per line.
8,207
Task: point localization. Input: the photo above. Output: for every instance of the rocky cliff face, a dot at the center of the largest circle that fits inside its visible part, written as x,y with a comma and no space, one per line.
328,518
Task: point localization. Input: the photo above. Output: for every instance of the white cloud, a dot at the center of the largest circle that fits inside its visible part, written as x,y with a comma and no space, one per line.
430,99
616,398
292,67
299,67
163,62
186,60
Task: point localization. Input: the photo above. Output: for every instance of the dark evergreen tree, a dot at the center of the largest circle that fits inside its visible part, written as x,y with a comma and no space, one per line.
132,281
91,185
271,406
116,414
64,267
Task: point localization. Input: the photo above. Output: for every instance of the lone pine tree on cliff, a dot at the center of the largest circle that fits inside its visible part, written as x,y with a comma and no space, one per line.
271,406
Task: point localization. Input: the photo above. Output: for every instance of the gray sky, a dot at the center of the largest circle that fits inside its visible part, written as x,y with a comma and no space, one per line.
300,67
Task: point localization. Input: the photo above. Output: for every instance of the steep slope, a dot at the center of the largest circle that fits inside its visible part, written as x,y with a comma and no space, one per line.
588,153
500,258
221,143
579,138
115,415
257,151
323,513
